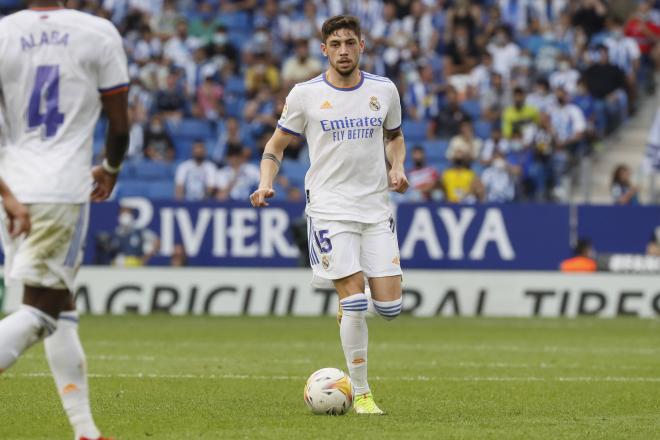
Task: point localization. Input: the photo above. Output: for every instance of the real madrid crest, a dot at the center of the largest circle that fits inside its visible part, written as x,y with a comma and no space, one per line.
325,262
374,104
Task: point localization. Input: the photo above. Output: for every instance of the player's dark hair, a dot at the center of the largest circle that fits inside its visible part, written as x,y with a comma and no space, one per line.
582,246
333,24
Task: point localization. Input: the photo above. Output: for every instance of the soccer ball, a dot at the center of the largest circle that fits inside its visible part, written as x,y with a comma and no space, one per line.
329,391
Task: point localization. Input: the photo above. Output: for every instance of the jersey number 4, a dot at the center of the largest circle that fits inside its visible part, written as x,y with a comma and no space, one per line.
46,95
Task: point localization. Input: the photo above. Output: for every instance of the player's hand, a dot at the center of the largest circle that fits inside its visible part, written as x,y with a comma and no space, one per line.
18,214
258,198
398,180
104,183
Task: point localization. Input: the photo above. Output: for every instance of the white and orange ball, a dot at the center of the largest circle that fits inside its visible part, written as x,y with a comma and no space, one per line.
329,391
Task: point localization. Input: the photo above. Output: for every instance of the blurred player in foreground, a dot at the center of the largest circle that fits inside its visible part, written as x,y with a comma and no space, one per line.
58,67
352,121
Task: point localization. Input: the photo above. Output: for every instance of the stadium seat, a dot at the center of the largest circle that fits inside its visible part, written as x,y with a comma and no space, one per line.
472,108
435,150
160,190
234,107
235,86
132,188
295,171
414,131
191,128
150,170
439,164
482,129
239,20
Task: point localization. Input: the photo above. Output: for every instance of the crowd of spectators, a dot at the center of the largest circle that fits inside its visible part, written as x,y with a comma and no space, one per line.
501,98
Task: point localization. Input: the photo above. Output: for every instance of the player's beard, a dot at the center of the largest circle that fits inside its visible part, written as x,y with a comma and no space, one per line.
349,71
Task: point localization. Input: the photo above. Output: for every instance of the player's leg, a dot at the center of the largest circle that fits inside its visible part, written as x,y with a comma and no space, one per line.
386,296
334,255
380,260
66,359
32,322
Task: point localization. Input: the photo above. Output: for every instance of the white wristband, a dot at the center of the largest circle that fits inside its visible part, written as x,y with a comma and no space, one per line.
109,168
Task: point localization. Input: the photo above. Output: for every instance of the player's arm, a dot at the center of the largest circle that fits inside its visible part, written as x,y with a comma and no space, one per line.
115,106
395,151
19,217
270,165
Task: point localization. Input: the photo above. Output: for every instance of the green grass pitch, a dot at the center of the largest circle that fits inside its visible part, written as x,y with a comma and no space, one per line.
162,377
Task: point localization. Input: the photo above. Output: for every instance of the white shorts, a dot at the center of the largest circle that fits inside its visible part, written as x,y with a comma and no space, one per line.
51,254
338,249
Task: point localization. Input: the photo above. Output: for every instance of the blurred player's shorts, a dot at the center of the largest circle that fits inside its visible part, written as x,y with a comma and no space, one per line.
51,254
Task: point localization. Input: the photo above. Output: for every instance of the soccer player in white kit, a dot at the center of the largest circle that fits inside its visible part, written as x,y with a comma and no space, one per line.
58,67
352,121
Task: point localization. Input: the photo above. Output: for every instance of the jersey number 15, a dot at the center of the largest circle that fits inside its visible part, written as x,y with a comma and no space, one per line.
46,90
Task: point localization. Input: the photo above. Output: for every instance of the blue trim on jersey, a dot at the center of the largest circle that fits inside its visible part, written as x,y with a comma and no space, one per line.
313,258
376,77
76,242
110,89
69,318
286,130
316,79
393,129
349,89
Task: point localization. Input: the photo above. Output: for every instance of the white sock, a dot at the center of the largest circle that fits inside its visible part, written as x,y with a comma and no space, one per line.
354,339
21,330
67,363
388,309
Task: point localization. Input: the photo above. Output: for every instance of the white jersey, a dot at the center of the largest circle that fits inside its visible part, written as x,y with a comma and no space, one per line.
54,64
347,178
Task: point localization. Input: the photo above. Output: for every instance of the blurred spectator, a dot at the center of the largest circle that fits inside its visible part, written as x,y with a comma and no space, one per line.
448,121
171,103
495,98
623,191
583,259
237,179
566,77
481,74
504,51
459,183
465,144
421,98
494,144
607,84
195,177
203,25
422,177
301,66
232,138
461,54
260,112
541,97
179,257
158,145
179,47
209,96
498,180
642,28
262,72
653,246
519,115
624,53
590,16
568,125
132,246
418,24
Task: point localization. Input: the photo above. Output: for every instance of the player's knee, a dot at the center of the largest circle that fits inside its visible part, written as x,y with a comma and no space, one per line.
389,310
355,304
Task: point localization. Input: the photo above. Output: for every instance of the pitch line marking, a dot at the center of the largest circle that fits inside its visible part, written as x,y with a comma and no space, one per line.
376,378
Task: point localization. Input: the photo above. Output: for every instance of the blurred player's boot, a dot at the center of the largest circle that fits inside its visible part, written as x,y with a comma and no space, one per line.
66,359
365,404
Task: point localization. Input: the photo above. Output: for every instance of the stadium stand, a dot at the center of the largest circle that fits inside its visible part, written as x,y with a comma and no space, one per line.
196,63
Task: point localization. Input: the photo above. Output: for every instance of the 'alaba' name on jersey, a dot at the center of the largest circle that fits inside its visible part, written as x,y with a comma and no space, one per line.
54,64
347,178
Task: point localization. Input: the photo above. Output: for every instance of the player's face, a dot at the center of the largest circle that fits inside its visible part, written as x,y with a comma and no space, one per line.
343,49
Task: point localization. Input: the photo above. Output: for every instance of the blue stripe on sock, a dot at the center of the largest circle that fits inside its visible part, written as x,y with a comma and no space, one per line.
344,301
387,308
69,318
